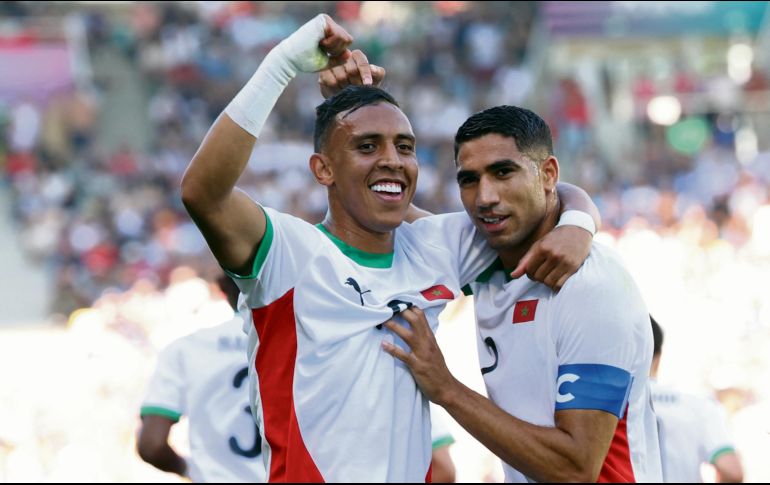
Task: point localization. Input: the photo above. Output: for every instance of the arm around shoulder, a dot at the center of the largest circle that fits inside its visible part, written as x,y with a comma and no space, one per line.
573,198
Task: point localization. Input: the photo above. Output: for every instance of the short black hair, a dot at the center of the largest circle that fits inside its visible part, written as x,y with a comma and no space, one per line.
350,98
657,337
530,132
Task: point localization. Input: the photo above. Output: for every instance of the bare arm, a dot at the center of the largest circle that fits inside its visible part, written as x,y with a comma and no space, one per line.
561,252
573,450
573,197
442,466
231,222
729,468
152,445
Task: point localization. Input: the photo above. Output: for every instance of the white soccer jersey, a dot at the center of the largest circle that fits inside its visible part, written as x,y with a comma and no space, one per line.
692,431
589,346
332,405
204,376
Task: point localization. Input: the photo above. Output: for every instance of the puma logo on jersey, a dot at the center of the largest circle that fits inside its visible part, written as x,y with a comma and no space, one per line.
354,284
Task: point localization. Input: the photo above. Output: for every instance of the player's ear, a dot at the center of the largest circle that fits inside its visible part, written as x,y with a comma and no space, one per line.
321,168
549,170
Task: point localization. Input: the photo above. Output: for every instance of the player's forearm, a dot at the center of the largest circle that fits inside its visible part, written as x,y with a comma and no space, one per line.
575,198
171,462
542,453
729,468
163,457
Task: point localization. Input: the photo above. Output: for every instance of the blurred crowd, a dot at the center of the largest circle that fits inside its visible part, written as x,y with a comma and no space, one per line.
102,213
104,216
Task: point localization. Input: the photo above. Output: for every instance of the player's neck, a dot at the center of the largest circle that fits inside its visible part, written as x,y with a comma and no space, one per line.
357,236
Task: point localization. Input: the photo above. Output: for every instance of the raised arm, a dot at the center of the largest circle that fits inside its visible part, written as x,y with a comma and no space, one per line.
232,223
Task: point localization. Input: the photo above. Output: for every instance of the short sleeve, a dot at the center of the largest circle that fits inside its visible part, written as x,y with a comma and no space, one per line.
288,243
716,439
455,232
602,337
166,390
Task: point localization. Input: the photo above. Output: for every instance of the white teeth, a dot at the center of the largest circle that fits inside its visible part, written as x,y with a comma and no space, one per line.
491,221
389,187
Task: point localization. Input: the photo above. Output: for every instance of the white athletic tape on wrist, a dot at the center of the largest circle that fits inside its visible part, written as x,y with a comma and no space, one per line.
579,219
297,53
301,48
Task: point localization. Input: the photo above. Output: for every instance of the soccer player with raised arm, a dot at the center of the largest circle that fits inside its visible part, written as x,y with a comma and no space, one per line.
566,372
329,404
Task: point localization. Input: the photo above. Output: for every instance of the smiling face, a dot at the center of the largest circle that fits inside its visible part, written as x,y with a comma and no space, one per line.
372,168
505,193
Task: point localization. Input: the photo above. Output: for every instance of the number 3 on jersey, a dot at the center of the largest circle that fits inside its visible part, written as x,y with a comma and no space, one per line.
256,449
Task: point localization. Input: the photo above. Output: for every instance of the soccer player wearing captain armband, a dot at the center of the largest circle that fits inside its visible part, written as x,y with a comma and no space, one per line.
566,372
330,406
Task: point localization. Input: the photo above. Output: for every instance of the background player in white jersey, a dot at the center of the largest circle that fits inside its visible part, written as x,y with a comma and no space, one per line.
566,371
692,429
204,376
315,297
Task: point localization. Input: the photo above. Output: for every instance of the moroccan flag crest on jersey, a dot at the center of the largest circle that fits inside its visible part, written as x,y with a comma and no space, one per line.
524,311
438,292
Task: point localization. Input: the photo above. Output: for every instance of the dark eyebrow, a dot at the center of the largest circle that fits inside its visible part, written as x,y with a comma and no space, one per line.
492,167
465,173
374,135
408,137
495,166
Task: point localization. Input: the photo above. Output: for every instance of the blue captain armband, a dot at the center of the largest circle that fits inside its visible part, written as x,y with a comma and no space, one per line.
593,386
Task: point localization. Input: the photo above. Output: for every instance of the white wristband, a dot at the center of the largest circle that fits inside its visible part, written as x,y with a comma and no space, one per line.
297,53
579,219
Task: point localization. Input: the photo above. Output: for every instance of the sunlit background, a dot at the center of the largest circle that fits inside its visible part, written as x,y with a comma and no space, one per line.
660,110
